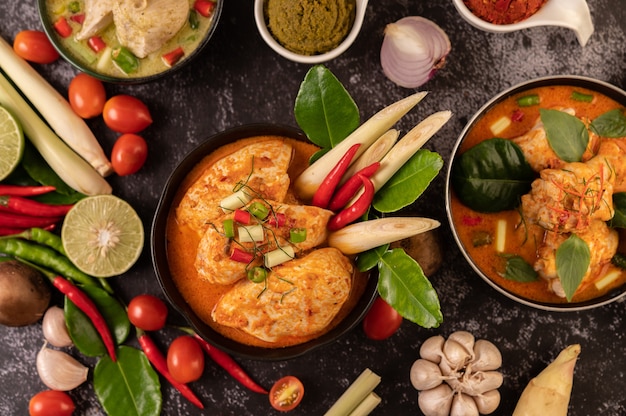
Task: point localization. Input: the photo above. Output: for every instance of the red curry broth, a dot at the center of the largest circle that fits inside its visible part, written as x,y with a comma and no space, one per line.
523,240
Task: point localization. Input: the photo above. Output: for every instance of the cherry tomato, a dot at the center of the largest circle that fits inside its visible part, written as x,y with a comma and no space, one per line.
126,114
51,403
381,320
286,393
86,95
129,154
185,359
147,312
34,46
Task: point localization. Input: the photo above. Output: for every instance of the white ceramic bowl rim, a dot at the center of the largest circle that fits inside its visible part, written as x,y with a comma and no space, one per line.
259,17
591,83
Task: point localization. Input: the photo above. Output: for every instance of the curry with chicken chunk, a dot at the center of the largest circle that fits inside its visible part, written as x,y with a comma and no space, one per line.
557,241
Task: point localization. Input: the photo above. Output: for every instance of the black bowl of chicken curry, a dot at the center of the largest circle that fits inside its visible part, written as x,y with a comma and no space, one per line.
243,260
536,193
131,41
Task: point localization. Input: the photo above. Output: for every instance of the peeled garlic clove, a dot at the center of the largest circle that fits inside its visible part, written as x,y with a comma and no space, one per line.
456,354
463,405
486,356
54,327
432,349
59,370
436,401
425,374
488,402
481,382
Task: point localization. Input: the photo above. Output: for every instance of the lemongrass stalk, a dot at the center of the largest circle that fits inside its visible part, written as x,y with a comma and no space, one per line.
607,279
362,236
501,236
374,153
355,394
367,405
70,167
307,183
54,108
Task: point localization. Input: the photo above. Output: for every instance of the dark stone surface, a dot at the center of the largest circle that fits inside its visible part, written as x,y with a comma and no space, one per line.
238,80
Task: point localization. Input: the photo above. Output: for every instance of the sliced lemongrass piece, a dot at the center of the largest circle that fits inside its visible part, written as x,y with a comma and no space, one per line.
367,405
500,125
250,233
235,200
373,154
355,394
607,279
279,256
500,236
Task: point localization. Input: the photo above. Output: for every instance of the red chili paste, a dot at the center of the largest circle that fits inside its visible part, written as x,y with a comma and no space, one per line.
504,12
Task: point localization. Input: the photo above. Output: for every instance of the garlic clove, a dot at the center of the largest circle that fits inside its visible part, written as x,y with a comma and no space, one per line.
466,339
463,405
59,370
486,356
54,327
481,382
456,354
432,349
425,374
436,401
487,402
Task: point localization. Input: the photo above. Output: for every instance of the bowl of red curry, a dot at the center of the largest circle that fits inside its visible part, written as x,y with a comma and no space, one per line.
536,193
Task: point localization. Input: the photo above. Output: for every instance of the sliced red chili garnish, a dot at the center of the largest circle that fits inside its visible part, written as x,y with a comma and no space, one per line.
241,256
62,27
204,7
96,43
171,58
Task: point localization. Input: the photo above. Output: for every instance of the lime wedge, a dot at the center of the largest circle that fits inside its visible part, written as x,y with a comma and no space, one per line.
11,143
102,235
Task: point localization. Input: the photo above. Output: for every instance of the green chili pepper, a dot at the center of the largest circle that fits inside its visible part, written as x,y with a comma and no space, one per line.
297,235
259,210
580,96
74,7
194,22
229,228
528,100
125,59
257,274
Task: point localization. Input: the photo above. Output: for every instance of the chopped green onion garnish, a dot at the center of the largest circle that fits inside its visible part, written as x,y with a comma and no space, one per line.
257,274
74,7
125,60
229,228
297,235
259,210
528,100
580,96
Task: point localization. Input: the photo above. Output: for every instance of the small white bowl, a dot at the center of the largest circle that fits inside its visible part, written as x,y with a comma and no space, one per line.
259,17
572,14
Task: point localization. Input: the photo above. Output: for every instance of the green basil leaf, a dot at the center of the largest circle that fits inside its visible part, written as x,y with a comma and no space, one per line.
129,386
610,124
84,335
619,205
402,284
369,259
572,261
409,182
518,270
567,135
324,110
492,176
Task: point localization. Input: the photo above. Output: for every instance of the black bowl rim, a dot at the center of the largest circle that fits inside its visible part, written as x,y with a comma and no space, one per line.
575,80
50,32
161,268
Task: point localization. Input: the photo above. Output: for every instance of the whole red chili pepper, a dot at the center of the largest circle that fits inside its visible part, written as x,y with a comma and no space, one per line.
19,190
357,209
159,362
227,363
324,193
85,304
10,231
8,219
27,206
350,187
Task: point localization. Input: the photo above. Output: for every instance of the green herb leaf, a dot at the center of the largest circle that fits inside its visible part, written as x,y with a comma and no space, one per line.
567,135
39,170
492,176
610,124
84,335
619,205
129,386
369,259
324,110
572,261
518,270
409,182
402,284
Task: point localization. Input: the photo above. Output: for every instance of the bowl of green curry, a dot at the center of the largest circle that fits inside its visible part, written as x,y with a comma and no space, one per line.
129,42
309,32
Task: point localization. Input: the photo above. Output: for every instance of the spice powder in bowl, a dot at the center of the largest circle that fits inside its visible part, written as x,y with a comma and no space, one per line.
310,27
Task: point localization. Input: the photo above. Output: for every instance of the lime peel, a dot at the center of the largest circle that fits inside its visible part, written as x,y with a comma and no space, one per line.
11,142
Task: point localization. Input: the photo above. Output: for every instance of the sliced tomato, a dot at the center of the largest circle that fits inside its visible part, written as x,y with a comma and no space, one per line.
34,46
286,394
51,403
126,114
129,154
381,321
86,95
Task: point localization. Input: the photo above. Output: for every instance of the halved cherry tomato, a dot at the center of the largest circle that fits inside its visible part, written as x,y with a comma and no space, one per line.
34,46
86,95
147,312
286,393
126,114
185,359
51,403
381,321
129,153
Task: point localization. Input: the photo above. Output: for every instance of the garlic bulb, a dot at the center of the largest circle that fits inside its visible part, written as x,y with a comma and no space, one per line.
59,370
54,327
457,376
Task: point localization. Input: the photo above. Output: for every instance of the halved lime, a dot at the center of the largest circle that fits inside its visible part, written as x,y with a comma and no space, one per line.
11,143
102,235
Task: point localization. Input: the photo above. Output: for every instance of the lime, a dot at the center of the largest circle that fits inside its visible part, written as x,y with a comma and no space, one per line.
102,235
11,143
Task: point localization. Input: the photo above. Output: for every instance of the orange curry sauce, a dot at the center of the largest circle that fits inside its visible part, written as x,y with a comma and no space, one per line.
521,239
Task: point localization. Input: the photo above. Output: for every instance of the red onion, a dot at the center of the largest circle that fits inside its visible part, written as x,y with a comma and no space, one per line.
413,49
